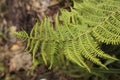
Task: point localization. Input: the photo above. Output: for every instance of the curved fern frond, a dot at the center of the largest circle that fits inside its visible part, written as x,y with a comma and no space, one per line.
103,17
78,35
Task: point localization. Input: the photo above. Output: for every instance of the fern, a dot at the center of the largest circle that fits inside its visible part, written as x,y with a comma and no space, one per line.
88,24
105,19
22,35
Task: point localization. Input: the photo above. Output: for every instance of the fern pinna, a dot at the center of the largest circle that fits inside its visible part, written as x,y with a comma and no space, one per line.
77,38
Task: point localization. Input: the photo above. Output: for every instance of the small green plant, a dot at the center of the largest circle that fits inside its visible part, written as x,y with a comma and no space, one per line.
77,39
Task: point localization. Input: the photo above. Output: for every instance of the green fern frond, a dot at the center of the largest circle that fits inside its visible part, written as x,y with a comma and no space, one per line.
79,33
23,35
103,17
43,53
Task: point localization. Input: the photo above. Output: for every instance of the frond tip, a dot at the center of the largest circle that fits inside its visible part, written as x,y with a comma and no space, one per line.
22,35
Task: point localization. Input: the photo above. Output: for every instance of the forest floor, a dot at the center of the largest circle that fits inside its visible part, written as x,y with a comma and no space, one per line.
16,15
